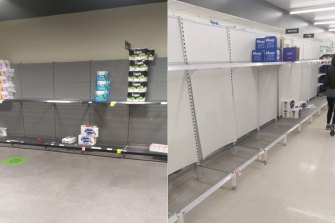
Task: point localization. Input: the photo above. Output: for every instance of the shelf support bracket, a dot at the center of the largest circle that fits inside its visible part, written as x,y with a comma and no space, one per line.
180,218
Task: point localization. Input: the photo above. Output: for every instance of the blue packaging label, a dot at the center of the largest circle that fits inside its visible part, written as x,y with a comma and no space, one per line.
102,76
271,56
102,96
103,86
271,43
260,44
257,56
290,54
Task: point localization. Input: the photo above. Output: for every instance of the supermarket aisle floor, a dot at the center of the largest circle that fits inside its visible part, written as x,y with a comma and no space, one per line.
297,186
67,188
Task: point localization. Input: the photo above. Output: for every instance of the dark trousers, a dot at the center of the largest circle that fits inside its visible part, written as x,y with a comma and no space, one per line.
331,102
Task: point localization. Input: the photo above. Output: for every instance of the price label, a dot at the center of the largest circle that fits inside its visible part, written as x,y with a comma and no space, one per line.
113,103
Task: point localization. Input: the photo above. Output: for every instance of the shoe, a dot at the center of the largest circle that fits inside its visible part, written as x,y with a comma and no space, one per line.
328,126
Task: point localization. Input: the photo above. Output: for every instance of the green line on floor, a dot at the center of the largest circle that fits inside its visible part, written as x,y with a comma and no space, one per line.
14,161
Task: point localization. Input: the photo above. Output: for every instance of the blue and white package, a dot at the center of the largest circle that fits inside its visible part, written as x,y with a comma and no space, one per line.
102,96
102,76
260,44
272,55
89,130
103,86
257,56
87,140
291,54
271,43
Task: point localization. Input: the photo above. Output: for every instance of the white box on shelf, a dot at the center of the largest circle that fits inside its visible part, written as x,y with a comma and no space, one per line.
87,140
89,130
69,140
295,113
3,132
158,148
288,104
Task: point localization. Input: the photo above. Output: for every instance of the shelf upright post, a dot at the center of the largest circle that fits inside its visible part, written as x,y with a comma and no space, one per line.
258,101
234,181
232,82
190,96
91,96
21,104
54,97
180,218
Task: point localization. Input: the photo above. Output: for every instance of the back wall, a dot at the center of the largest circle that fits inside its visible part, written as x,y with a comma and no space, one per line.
93,35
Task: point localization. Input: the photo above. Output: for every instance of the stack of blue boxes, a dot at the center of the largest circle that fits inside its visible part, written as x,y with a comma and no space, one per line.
267,50
103,86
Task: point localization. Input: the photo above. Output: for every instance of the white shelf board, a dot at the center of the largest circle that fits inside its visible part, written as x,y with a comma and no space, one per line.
202,66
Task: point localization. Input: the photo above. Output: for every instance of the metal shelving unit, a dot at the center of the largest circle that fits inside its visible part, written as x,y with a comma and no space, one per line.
193,184
201,66
84,101
138,150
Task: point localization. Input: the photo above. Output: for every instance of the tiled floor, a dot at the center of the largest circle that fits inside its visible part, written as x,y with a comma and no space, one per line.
69,188
297,186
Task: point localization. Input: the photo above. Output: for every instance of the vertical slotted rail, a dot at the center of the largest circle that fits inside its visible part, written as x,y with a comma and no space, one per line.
21,104
91,95
190,96
258,100
232,81
54,97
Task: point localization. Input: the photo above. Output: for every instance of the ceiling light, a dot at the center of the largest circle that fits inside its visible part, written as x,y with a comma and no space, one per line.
308,10
331,30
325,22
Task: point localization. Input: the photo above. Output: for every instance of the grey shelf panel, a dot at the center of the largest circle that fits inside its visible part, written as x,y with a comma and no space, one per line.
187,187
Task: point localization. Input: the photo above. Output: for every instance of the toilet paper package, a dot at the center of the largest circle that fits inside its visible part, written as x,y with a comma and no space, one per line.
272,55
295,113
257,56
158,148
69,140
87,140
138,54
3,132
271,43
138,76
103,86
288,104
136,97
151,55
260,44
102,96
89,130
301,104
291,54
138,87
139,65
102,76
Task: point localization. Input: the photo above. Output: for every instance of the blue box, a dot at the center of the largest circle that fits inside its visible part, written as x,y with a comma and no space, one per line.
103,86
102,76
102,96
272,55
260,44
257,56
291,54
271,43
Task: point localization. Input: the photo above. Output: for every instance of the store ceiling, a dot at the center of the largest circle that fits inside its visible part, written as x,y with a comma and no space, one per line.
290,5
20,9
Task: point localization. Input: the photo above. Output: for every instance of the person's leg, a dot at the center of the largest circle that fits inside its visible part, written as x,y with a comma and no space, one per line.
330,109
333,113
